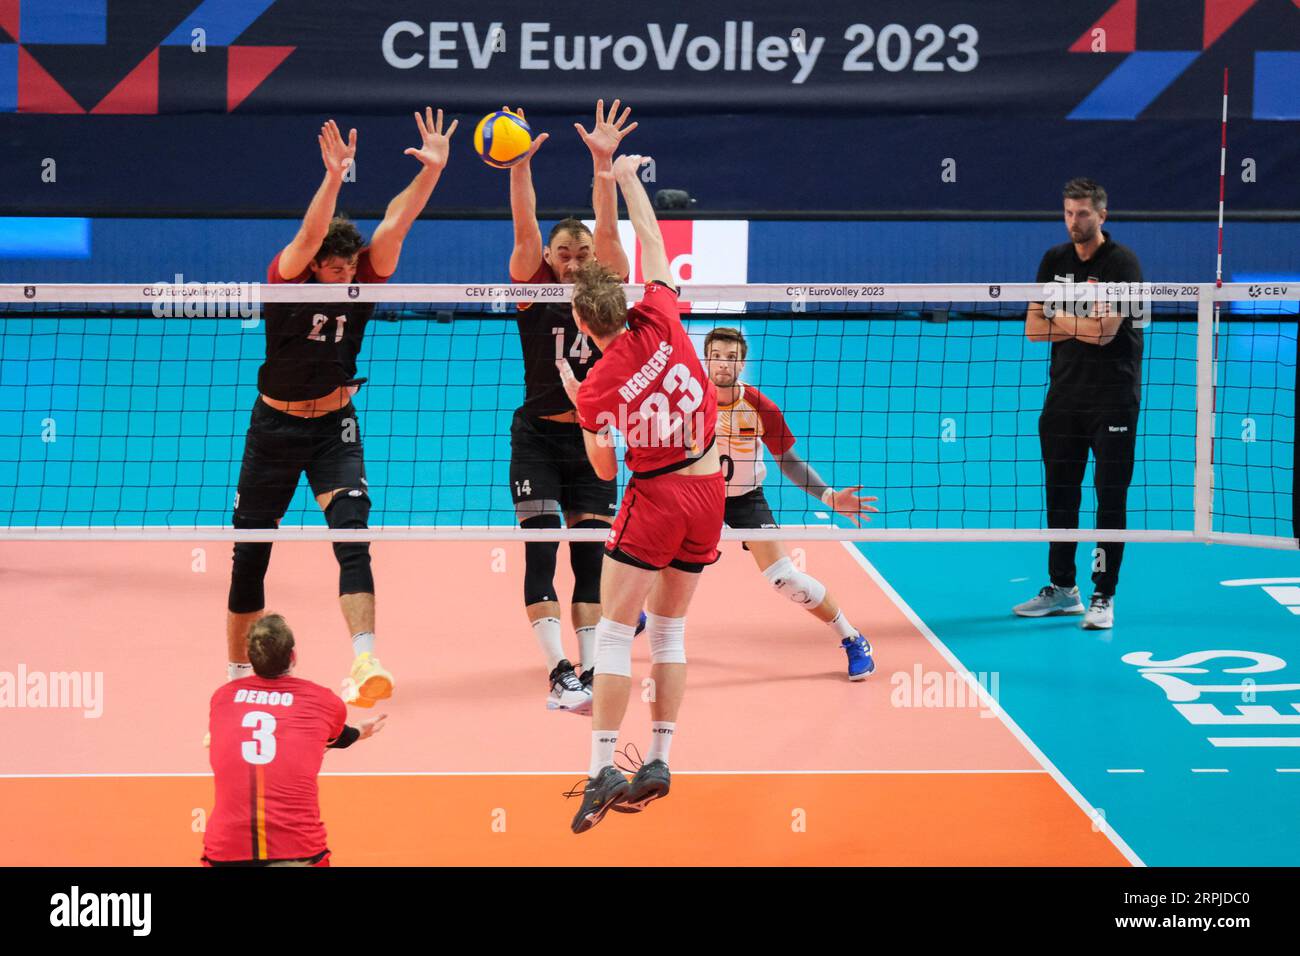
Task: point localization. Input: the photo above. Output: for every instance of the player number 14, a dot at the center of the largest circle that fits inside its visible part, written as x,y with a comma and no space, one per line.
580,349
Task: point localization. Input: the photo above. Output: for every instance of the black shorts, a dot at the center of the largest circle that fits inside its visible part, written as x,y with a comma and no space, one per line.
749,510
280,447
548,461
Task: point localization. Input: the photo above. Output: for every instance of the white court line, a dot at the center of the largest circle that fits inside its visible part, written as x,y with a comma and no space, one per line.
1099,820
1288,769
1208,770
515,773
1126,771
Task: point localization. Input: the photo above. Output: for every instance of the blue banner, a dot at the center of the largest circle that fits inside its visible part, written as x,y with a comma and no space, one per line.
210,107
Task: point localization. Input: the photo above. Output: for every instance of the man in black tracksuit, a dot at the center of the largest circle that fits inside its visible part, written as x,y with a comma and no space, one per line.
1092,402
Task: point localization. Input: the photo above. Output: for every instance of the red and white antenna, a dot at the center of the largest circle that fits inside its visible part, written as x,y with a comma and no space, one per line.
1223,168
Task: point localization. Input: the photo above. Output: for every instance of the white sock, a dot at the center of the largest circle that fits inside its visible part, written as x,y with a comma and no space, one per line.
587,647
842,626
661,740
363,642
547,631
235,671
603,743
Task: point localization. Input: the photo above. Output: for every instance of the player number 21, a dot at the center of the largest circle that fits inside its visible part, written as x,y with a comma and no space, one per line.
318,322
261,749
580,349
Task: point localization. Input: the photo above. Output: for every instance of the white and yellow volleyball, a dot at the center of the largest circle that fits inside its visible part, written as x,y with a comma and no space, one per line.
502,139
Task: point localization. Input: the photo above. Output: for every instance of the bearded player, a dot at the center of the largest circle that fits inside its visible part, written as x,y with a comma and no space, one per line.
304,419
268,733
549,472
651,386
747,417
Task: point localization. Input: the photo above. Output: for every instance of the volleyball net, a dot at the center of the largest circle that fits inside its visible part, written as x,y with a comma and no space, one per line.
124,407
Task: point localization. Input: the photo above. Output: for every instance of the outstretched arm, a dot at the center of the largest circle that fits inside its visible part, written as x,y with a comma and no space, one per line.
603,140
802,475
527,253
337,157
433,152
654,257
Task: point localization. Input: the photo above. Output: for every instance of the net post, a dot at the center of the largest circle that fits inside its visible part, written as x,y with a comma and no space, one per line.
1203,481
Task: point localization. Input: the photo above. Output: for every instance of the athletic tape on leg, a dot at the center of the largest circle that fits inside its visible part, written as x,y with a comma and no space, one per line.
803,589
667,639
614,648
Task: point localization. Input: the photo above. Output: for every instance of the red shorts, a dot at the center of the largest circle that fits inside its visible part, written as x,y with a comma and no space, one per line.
670,520
321,859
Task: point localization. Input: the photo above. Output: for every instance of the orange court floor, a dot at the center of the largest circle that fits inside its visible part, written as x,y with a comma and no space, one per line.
778,759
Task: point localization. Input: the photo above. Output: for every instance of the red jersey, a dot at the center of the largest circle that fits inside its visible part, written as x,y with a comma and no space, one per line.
651,387
268,739
751,418
365,271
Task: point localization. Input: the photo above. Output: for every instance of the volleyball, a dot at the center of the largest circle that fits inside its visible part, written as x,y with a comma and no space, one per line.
502,139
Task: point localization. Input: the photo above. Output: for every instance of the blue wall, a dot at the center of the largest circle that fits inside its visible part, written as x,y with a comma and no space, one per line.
129,250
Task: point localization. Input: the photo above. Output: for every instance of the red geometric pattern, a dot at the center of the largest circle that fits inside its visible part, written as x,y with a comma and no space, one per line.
137,92
1221,14
1120,24
38,92
9,17
247,67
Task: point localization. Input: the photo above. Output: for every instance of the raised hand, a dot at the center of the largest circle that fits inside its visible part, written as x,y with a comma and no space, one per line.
568,380
336,154
435,144
625,166
608,131
852,506
372,726
538,140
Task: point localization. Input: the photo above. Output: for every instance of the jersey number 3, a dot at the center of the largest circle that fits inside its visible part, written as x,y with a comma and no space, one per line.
318,323
580,349
261,749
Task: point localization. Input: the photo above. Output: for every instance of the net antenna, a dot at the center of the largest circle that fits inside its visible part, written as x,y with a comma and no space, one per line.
1208,481
1223,168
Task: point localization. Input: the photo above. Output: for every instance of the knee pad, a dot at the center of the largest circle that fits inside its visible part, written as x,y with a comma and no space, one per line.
802,589
248,569
539,561
667,639
586,558
614,648
350,508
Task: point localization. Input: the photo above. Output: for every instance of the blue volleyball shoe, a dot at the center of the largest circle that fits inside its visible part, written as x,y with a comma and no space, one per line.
861,662
640,624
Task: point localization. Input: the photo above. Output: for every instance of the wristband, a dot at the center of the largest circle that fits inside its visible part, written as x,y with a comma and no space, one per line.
827,496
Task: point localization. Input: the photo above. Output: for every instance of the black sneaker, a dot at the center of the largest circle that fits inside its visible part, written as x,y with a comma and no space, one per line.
599,795
567,692
586,678
650,781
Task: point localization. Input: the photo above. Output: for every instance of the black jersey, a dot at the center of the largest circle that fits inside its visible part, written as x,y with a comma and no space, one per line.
312,348
1090,376
547,332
